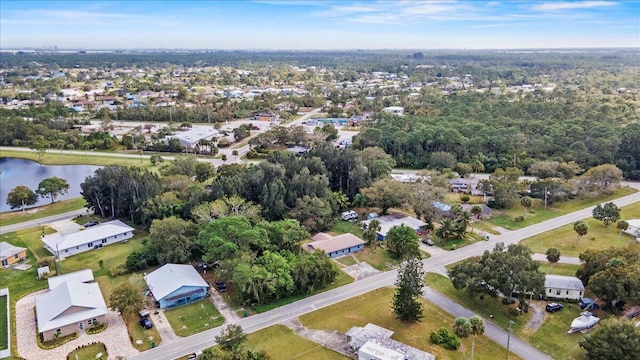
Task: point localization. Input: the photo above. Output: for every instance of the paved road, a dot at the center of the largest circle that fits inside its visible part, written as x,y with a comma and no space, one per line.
41,221
261,321
563,259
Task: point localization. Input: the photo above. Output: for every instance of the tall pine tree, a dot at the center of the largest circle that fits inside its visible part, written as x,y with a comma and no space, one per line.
409,288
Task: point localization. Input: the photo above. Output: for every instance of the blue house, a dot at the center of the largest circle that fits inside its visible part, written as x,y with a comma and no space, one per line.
336,246
175,285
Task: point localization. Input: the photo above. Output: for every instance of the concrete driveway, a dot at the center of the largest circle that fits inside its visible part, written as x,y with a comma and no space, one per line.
64,227
115,337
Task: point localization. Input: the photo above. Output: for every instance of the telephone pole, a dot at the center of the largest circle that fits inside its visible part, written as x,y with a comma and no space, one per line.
508,339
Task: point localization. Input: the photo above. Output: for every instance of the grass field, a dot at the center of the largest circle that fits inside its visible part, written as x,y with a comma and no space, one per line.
375,307
559,269
279,342
89,352
598,237
379,258
343,227
53,157
14,217
538,213
4,336
194,318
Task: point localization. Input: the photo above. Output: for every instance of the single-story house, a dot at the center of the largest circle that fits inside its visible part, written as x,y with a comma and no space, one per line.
335,246
374,343
69,308
10,254
486,211
397,110
81,276
389,221
634,228
91,238
175,284
189,139
564,287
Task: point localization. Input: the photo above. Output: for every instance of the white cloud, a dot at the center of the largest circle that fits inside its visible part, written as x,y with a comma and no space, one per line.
554,6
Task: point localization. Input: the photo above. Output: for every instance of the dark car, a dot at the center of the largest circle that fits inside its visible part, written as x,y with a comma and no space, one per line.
427,242
553,307
222,287
145,322
588,303
91,223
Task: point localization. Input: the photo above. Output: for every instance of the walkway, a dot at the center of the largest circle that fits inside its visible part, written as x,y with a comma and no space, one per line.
115,337
225,310
163,326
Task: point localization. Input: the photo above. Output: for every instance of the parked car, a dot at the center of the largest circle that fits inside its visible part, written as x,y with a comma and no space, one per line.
145,322
553,307
221,286
427,242
588,303
91,223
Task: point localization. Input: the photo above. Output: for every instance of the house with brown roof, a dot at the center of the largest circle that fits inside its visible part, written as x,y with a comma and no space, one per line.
335,246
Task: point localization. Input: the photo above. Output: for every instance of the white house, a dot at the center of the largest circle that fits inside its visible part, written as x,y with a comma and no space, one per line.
374,342
563,287
189,139
91,238
81,276
634,228
396,110
69,308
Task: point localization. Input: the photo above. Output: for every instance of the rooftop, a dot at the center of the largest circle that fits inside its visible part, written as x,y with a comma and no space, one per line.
335,243
172,277
7,250
102,231
82,276
563,282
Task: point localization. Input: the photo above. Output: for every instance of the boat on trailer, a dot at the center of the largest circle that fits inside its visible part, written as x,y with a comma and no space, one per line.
585,321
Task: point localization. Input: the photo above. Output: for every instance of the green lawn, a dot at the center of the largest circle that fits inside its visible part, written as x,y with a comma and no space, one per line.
598,237
343,227
89,352
538,214
452,244
137,332
55,158
14,217
346,260
4,336
379,258
375,307
194,318
279,342
559,269
485,307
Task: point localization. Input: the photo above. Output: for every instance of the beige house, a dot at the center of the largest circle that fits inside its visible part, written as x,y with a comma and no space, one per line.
69,308
10,254
563,287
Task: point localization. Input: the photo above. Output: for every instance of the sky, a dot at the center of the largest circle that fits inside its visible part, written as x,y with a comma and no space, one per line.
308,24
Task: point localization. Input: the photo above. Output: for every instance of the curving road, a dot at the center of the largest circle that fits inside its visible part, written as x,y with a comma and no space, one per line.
275,316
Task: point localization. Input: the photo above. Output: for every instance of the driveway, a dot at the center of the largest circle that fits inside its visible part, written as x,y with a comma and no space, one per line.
115,337
64,227
163,326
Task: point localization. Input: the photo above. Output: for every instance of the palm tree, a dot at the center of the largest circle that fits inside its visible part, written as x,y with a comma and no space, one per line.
472,326
464,220
477,163
340,199
622,226
371,232
359,200
446,230
476,210
235,155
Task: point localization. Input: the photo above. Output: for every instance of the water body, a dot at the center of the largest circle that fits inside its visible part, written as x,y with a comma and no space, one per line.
29,173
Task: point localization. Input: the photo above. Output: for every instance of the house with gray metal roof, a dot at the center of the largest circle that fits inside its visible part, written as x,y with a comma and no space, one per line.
374,342
82,276
92,238
391,220
563,287
69,308
174,285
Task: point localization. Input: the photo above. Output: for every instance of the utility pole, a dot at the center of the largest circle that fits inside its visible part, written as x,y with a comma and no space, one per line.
545,198
508,339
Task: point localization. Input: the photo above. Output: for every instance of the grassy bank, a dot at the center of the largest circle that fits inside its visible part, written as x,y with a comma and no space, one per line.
14,217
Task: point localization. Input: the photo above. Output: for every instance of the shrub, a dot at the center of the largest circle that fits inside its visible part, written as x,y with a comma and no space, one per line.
96,327
513,311
464,198
518,218
49,261
443,337
523,306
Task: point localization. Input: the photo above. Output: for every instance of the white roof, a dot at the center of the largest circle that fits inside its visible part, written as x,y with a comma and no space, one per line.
195,134
51,308
380,352
389,221
172,277
81,276
8,250
563,282
81,237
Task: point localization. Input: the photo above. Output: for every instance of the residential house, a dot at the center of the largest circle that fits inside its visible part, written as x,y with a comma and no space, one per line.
374,342
335,246
396,110
389,221
82,276
10,254
175,285
634,228
91,238
68,308
563,287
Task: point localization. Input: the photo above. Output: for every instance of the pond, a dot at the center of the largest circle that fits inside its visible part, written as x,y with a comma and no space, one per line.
29,173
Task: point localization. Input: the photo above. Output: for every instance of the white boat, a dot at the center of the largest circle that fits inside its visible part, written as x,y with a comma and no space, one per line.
585,321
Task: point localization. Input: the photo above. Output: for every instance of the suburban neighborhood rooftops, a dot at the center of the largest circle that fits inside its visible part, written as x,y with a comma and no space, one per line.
82,276
563,282
336,243
172,277
7,250
52,307
58,241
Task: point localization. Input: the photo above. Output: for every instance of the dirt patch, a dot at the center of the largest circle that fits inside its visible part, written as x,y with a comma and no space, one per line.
360,271
333,340
537,316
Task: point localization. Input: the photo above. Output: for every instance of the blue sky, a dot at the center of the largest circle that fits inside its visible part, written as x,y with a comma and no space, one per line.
298,24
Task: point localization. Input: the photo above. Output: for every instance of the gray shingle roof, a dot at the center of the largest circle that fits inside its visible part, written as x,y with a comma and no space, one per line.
8,250
172,277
